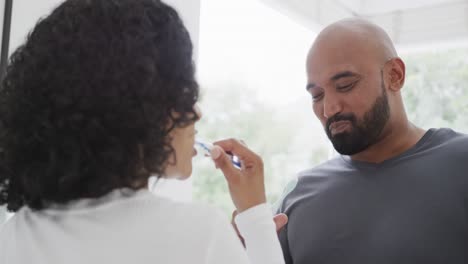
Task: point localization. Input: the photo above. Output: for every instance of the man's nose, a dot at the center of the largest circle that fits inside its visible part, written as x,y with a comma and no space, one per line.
331,106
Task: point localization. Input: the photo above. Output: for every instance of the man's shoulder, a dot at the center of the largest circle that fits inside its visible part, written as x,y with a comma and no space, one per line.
448,135
455,136
449,139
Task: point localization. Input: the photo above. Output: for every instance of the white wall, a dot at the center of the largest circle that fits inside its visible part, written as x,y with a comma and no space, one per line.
26,13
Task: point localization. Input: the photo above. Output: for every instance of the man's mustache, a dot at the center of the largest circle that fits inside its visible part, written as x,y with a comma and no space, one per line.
340,117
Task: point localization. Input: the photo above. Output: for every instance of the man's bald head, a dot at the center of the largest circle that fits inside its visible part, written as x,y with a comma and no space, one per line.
358,36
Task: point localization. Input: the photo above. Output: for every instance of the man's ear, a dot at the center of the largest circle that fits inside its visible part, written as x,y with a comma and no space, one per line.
397,74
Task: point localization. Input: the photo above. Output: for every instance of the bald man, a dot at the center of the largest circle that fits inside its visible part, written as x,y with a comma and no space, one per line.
397,193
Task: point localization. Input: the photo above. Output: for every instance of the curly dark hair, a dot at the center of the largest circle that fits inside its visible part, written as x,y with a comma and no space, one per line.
87,103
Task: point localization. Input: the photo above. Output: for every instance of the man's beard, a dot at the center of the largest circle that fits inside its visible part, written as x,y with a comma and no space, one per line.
363,133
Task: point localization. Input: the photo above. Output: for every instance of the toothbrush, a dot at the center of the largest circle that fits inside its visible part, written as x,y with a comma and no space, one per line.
207,147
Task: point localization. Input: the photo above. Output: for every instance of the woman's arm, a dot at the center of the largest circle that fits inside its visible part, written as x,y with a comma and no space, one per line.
258,229
259,232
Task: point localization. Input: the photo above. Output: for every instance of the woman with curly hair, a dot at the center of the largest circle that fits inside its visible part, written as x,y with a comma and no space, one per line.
102,96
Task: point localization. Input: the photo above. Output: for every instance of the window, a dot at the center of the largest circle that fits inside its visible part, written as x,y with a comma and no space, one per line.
252,74
252,77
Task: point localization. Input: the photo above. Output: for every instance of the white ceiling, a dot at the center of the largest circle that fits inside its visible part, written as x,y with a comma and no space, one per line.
408,22
375,7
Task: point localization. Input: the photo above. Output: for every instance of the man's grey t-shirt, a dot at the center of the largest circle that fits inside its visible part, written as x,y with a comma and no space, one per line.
412,208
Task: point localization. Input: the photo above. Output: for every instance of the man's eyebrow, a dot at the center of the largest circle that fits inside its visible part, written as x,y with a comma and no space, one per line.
335,77
343,75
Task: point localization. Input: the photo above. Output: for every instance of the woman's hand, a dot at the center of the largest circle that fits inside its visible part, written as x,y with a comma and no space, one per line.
246,185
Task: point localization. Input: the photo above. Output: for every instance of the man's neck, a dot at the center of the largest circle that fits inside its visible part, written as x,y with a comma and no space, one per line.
392,143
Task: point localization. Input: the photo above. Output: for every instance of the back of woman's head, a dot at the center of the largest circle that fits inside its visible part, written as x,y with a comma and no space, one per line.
86,104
